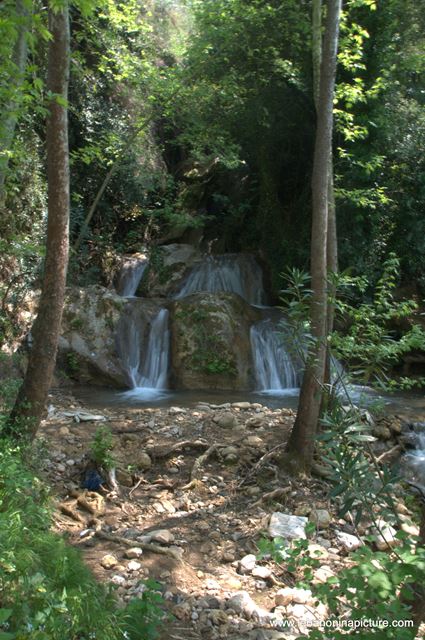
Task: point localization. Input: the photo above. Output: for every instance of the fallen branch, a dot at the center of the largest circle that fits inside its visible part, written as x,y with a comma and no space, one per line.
200,461
165,451
146,546
388,454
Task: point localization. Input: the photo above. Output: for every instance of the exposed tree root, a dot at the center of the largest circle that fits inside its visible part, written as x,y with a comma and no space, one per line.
146,546
272,495
165,451
68,510
201,460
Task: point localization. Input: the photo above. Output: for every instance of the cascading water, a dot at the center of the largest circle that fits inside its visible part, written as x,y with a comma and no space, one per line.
233,273
147,370
130,276
413,462
275,372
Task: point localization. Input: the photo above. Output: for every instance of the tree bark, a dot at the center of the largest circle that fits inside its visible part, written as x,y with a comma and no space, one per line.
9,117
301,442
30,403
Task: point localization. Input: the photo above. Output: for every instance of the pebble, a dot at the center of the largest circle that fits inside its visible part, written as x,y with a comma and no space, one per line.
261,572
226,420
134,566
384,535
321,518
118,580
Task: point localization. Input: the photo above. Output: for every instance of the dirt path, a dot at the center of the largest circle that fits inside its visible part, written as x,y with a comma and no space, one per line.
209,515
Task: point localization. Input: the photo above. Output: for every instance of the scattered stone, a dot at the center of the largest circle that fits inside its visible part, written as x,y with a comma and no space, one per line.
226,420
322,574
242,603
286,526
143,461
217,617
109,561
348,541
264,573
253,441
384,535
124,478
247,564
256,422
174,411
241,405
321,518
287,595
133,552
134,566
163,536
118,580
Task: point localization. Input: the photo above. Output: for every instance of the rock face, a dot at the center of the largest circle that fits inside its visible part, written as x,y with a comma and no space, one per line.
94,333
210,345
167,268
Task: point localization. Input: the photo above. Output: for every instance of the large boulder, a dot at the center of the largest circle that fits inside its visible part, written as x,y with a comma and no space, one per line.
210,343
99,329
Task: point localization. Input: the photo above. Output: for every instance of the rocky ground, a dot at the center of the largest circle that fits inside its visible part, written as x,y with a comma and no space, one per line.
198,489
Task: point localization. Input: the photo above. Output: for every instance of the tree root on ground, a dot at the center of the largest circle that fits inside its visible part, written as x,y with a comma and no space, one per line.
146,546
272,495
198,464
165,451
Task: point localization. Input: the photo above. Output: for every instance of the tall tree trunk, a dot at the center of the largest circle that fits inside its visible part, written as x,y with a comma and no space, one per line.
301,442
9,117
30,403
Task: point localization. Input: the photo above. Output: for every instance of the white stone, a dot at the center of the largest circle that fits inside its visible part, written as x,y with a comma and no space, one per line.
134,566
384,535
247,564
134,552
288,527
119,580
348,542
261,572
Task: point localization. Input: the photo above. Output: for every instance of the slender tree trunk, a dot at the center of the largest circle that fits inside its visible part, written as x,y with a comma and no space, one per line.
301,442
30,403
9,117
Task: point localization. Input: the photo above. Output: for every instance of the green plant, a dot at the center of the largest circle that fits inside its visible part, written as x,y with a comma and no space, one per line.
47,592
101,448
72,362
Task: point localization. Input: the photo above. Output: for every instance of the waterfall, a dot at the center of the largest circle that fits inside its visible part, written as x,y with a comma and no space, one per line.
144,352
130,275
154,371
274,367
233,273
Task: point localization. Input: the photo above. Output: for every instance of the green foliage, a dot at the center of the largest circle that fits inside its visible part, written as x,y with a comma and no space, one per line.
372,337
101,448
47,591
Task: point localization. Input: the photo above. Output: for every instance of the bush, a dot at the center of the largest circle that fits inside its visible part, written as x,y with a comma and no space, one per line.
46,590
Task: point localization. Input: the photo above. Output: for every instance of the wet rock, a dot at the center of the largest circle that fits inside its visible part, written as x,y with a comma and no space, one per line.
381,432
286,526
210,344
